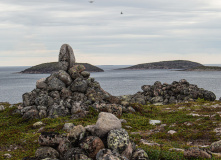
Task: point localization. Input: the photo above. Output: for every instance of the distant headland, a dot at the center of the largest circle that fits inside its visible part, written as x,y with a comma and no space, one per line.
183,65
47,68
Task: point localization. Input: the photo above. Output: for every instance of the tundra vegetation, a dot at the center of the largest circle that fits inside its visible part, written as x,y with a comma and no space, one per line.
195,124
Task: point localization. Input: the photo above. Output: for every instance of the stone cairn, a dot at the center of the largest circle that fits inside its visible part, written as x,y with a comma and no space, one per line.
105,140
70,91
162,94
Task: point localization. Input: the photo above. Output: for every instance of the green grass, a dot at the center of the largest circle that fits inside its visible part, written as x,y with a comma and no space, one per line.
20,134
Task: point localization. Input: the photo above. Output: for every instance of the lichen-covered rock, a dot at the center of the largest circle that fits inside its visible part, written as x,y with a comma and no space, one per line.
57,110
54,84
105,123
66,57
65,93
31,114
29,98
107,154
64,77
72,153
79,85
63,146
215,147
77,133
91,145
139,154
196,153
46,152
85,74
49,139
118,139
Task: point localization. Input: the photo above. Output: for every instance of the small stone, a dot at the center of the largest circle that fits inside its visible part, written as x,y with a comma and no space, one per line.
154,122
68,126
172,132
2,108
123,121
139,154
176,149
216,147
145,142
38,124
7,156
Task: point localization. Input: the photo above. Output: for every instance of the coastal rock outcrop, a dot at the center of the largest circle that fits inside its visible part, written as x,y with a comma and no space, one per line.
115,145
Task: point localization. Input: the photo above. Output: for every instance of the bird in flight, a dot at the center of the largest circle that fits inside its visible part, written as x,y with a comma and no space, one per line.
91,1
121,13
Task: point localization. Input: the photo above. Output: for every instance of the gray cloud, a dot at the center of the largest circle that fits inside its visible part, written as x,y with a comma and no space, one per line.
147,28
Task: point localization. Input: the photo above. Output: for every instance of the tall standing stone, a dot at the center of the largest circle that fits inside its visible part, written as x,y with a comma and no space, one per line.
66,57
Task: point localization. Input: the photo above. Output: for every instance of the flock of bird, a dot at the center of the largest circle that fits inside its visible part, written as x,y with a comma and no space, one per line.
93,1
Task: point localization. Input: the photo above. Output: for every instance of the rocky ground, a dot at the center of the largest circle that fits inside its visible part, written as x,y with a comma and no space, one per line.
162,131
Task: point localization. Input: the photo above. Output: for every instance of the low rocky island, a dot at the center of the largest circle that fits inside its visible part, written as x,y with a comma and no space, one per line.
176,64
48,68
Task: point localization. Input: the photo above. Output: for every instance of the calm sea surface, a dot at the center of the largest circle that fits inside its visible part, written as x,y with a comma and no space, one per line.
116,82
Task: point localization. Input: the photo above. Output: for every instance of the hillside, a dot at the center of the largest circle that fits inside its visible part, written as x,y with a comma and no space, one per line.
53,66
176,64
205,68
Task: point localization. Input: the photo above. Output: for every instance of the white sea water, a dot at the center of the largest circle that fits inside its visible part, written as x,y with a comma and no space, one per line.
116,82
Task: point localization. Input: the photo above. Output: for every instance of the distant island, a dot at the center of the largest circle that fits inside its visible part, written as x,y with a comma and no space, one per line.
47,68
205,68
176,64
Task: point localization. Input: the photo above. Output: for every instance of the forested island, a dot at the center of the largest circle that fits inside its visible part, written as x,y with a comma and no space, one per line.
47,68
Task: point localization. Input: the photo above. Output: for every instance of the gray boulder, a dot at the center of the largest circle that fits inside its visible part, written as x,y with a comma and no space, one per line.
79,85
41,84
64,77
66,57
49,139
54,84
91,145
77,133
105,123
46,152
197,153
216,147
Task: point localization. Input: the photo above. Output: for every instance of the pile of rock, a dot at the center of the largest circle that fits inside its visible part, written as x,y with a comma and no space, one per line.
105,140
176,92
70,91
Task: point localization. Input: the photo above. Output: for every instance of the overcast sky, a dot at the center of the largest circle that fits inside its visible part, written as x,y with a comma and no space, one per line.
32,31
